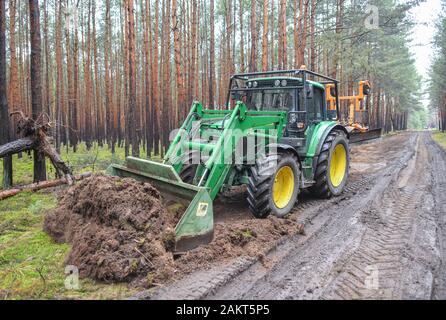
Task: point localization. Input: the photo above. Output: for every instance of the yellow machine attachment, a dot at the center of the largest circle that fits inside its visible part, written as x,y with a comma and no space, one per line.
359,130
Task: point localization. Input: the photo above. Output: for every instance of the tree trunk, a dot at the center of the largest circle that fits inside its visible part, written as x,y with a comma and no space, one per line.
60,90
253,58
312,36
40,186
282,54
242,37
14,98
4,114
36,83
16,146
181,95
131,121
212,56
265,36
155,83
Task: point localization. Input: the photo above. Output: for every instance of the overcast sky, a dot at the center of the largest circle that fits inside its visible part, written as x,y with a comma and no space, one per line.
425,15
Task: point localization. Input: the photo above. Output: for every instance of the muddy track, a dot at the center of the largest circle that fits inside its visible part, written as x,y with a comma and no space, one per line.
384,238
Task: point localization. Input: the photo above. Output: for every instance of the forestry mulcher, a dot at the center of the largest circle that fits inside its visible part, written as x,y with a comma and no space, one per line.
277,136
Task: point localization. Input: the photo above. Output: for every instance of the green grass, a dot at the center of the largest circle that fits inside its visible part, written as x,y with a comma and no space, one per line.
94,160
31,264
440,138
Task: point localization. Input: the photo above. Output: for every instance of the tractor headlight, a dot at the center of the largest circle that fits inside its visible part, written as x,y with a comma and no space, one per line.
284,83
277,83
255,84
250,84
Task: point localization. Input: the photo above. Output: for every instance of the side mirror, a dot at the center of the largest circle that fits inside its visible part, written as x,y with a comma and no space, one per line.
235,95
310,91
366,90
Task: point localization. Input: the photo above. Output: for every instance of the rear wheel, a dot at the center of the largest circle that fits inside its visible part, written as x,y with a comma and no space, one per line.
274,185
333,166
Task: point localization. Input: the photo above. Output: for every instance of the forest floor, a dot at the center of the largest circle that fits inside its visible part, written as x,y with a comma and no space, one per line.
383,238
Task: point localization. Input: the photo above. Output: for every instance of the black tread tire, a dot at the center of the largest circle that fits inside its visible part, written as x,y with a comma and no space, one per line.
190,166
323,187
261,179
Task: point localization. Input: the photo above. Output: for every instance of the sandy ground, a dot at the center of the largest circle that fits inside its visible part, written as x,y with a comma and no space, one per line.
384,238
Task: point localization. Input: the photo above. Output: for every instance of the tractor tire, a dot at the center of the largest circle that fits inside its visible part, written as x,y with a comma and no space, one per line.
333,166
190,164
274,185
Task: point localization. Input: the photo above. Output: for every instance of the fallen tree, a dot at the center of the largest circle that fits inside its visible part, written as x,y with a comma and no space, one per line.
34,136
40,186
17,146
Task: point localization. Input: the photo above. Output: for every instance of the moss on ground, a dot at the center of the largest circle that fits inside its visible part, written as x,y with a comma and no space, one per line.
31,264
440,138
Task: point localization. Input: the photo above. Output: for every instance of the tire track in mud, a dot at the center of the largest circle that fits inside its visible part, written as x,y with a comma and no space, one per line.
310,265
438,161
205,283
374,270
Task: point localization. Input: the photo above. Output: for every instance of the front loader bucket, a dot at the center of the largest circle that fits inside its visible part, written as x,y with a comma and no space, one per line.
196,226
357,137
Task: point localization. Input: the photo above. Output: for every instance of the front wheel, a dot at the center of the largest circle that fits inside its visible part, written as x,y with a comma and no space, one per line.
333,166
274,185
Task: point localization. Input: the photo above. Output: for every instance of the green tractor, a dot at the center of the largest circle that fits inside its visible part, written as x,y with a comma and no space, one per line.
277,137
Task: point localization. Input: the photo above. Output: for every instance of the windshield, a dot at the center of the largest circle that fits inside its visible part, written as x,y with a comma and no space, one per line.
280,100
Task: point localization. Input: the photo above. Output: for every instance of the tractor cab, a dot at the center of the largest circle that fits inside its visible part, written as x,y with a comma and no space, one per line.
295,92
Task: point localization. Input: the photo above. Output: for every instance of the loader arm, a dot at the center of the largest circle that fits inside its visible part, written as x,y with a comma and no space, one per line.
230,126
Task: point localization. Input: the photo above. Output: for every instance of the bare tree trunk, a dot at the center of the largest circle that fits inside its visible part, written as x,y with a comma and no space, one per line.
282,56
265,36
99,132
60,90
181,96
155,81
193,78
4,114
36,83
272,38
14,98
212,56
312,36
132,81
253,58
242,37
297,6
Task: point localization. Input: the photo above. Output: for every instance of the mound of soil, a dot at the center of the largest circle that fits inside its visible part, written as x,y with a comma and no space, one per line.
118,229
121,232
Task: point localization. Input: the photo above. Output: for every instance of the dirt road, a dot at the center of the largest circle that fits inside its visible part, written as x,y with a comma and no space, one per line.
385,238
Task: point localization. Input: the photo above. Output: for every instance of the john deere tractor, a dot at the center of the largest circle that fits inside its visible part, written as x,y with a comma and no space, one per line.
276,136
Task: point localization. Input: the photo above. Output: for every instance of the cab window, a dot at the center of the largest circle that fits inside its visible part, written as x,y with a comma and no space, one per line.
274,100
315,105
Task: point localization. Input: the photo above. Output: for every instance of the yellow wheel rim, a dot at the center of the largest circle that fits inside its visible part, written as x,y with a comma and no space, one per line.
283,187
338,165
